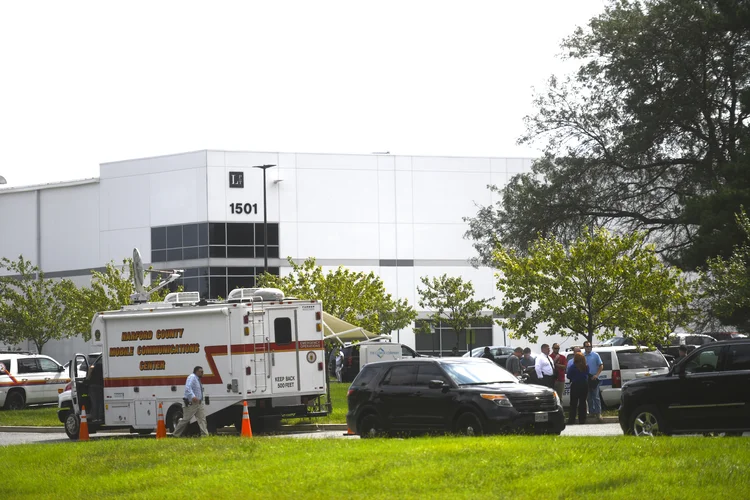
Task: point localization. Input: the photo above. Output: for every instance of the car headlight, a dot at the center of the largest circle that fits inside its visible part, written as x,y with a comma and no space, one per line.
557,399
498,399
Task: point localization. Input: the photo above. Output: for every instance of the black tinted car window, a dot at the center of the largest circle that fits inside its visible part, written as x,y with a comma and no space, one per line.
407,352
401,375
633,360
702,362
738,357
28,366
478,373
365,376
606,360
428,372
6,364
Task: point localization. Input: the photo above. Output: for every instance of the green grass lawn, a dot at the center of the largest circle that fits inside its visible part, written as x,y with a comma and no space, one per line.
33,415
430,467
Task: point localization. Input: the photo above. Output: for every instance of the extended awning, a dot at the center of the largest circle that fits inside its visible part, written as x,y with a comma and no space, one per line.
339,330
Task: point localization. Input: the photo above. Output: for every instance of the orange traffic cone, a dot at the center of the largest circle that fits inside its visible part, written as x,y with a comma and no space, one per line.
349,432
83,432
247,431
161,429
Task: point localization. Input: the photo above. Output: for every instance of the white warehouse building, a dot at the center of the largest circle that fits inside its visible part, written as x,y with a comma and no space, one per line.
399,216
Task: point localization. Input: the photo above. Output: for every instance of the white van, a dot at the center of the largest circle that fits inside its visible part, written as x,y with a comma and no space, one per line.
621,364
358,355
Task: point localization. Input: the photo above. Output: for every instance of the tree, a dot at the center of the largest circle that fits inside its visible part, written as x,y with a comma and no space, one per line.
30,305
725,283
452,302
600,284
651,133
356,297
109,291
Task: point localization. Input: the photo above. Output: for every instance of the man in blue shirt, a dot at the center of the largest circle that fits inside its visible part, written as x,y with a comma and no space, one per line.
193,404
596,366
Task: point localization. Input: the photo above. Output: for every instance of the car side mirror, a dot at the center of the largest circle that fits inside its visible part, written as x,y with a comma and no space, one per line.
436,384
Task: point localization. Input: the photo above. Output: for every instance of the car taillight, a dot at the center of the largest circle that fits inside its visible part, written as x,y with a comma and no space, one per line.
616,379
349,361
349,392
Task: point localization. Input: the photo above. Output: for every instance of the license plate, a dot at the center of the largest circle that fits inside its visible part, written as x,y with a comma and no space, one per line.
541,417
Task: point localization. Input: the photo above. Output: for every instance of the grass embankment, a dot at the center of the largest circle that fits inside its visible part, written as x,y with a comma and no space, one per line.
448,467
38,416
47,415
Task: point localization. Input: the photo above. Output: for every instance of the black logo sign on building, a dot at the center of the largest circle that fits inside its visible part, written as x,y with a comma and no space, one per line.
236,179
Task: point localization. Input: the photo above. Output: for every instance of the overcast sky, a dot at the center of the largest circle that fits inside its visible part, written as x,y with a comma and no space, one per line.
84,83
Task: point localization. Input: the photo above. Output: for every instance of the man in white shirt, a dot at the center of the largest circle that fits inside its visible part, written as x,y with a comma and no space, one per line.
544,367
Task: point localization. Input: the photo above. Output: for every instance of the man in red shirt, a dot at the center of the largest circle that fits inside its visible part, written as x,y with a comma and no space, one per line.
561,363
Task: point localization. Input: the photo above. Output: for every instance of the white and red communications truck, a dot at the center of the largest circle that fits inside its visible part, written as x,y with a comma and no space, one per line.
256,346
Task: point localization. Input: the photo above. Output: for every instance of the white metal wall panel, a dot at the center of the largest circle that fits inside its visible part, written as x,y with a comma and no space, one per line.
177,197
18,225
338,241
449,196
70,228
337,196
143,166
125,202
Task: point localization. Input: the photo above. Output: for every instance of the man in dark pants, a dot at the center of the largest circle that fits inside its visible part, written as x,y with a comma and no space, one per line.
95,381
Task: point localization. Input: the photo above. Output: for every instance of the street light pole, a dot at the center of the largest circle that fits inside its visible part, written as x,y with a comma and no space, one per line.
265,217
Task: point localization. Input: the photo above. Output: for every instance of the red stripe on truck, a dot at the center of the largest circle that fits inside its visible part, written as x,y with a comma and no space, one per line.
211,375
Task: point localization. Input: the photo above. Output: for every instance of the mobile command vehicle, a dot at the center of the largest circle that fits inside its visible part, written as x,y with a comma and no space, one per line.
256,346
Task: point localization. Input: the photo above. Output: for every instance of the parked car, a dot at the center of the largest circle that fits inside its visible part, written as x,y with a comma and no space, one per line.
352,364
709,391
621,364
727,335
29,379
467,396
689,340
500,352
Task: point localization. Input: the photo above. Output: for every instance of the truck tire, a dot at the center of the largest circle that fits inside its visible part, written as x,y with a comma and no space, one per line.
15,400
174,415
370,426
72,426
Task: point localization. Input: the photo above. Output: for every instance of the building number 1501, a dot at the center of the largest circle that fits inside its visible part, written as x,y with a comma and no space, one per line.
243,208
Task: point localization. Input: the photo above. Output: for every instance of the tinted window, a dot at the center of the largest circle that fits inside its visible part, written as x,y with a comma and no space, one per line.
606,360
28,365
407,352
239,234
217,233
283,329
365,376
47,365
480,372
401,375
702,362
158,237
5,363
174,236
190,235
634,360
427,372
738,357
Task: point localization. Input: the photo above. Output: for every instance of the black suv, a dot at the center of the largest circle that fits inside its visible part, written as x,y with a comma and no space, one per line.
708,391
463,395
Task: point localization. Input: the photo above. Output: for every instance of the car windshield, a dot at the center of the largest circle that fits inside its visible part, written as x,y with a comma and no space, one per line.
478,373
633,360
614,341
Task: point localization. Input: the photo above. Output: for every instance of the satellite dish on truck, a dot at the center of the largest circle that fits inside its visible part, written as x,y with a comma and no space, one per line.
138,271
141,294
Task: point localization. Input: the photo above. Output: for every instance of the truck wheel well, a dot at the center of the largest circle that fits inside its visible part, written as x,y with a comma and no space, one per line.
176,407
11,395
366,411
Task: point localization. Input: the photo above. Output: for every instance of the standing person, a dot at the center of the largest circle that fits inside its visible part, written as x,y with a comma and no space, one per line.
545,368
682,350
339,365
560,365
578,373
513,363
527,366
596,366
488,354
454,351
95,379
193,399
576,350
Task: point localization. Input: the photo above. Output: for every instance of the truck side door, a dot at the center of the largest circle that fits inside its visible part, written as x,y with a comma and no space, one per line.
282,327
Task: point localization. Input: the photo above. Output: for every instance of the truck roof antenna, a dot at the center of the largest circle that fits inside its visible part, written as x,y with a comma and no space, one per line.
142,295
